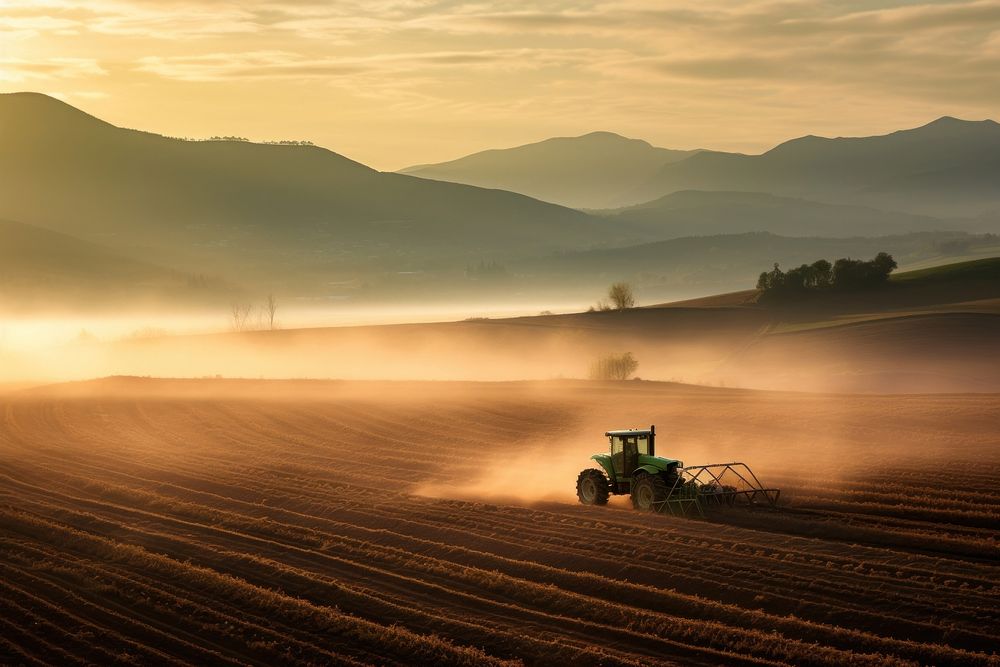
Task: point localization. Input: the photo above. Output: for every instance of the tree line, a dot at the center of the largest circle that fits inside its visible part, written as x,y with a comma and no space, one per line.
844,274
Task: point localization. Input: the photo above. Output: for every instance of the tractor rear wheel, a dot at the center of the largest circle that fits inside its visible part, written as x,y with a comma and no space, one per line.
592,487
648,491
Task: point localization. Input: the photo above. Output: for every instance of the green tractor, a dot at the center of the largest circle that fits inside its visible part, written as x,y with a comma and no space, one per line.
665,485
631,468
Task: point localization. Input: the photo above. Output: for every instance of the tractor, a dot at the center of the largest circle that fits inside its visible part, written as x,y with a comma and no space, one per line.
659,484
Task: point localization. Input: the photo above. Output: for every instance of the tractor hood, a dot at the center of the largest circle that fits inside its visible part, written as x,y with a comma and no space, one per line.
650,464
659,462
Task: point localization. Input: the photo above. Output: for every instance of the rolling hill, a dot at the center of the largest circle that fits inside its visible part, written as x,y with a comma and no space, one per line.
252,209
726,262
45,270
590,171
304,221
947,167
701,213
939,333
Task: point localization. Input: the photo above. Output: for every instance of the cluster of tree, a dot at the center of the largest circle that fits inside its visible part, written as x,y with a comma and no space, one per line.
614,367
844,274
274,142
620,297
248,317
290,142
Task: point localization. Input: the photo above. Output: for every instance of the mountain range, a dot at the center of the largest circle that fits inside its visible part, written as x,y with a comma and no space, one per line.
590,171
41,266
243,206
701,212
949,168
90,203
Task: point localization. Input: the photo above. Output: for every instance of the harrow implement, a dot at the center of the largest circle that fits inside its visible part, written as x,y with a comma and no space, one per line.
715,484
660,484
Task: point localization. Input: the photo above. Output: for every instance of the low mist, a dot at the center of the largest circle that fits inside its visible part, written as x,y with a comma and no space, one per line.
728,346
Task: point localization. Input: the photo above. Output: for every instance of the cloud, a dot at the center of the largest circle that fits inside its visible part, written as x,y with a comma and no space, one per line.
170,20
22,27
684,68
19,70
289,65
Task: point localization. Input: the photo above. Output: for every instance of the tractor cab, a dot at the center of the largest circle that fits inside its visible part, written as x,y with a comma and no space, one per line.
627,446
633,454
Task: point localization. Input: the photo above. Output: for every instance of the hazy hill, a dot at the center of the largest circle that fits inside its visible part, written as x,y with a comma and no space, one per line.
248,207
949,166
696,212
928,338
733,261
590,171
42,269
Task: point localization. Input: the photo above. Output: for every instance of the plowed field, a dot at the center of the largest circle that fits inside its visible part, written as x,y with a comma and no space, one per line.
225,522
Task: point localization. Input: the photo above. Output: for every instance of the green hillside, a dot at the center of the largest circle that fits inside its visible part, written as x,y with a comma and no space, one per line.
987,270
590,171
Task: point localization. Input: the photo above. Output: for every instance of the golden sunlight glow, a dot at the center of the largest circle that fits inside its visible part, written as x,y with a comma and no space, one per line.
393,83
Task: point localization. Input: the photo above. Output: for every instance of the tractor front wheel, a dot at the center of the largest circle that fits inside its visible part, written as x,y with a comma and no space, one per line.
592,487
648,491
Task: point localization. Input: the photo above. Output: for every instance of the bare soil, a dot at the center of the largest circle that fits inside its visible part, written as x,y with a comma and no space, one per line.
268,522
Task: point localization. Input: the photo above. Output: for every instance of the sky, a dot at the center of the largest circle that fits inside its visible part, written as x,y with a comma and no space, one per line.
398,82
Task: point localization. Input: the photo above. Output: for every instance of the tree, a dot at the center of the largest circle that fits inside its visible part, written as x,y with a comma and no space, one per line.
797,279
771,280
621,296
857,274
822,273
271,309
848,273
614,367
884,265
240,313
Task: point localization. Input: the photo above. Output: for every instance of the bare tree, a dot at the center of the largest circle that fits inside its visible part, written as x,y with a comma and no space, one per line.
621,296
271,308
240,313
614,367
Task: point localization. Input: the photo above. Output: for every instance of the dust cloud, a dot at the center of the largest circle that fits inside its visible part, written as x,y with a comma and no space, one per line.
717,347
789,440
544,473
478,349
525,442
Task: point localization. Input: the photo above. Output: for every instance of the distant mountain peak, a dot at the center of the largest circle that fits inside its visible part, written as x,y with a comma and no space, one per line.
586,171
603,133
944,124
606,135
41,108
948,122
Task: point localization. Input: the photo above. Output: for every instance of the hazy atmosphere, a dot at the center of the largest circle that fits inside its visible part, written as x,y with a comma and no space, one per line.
500,333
